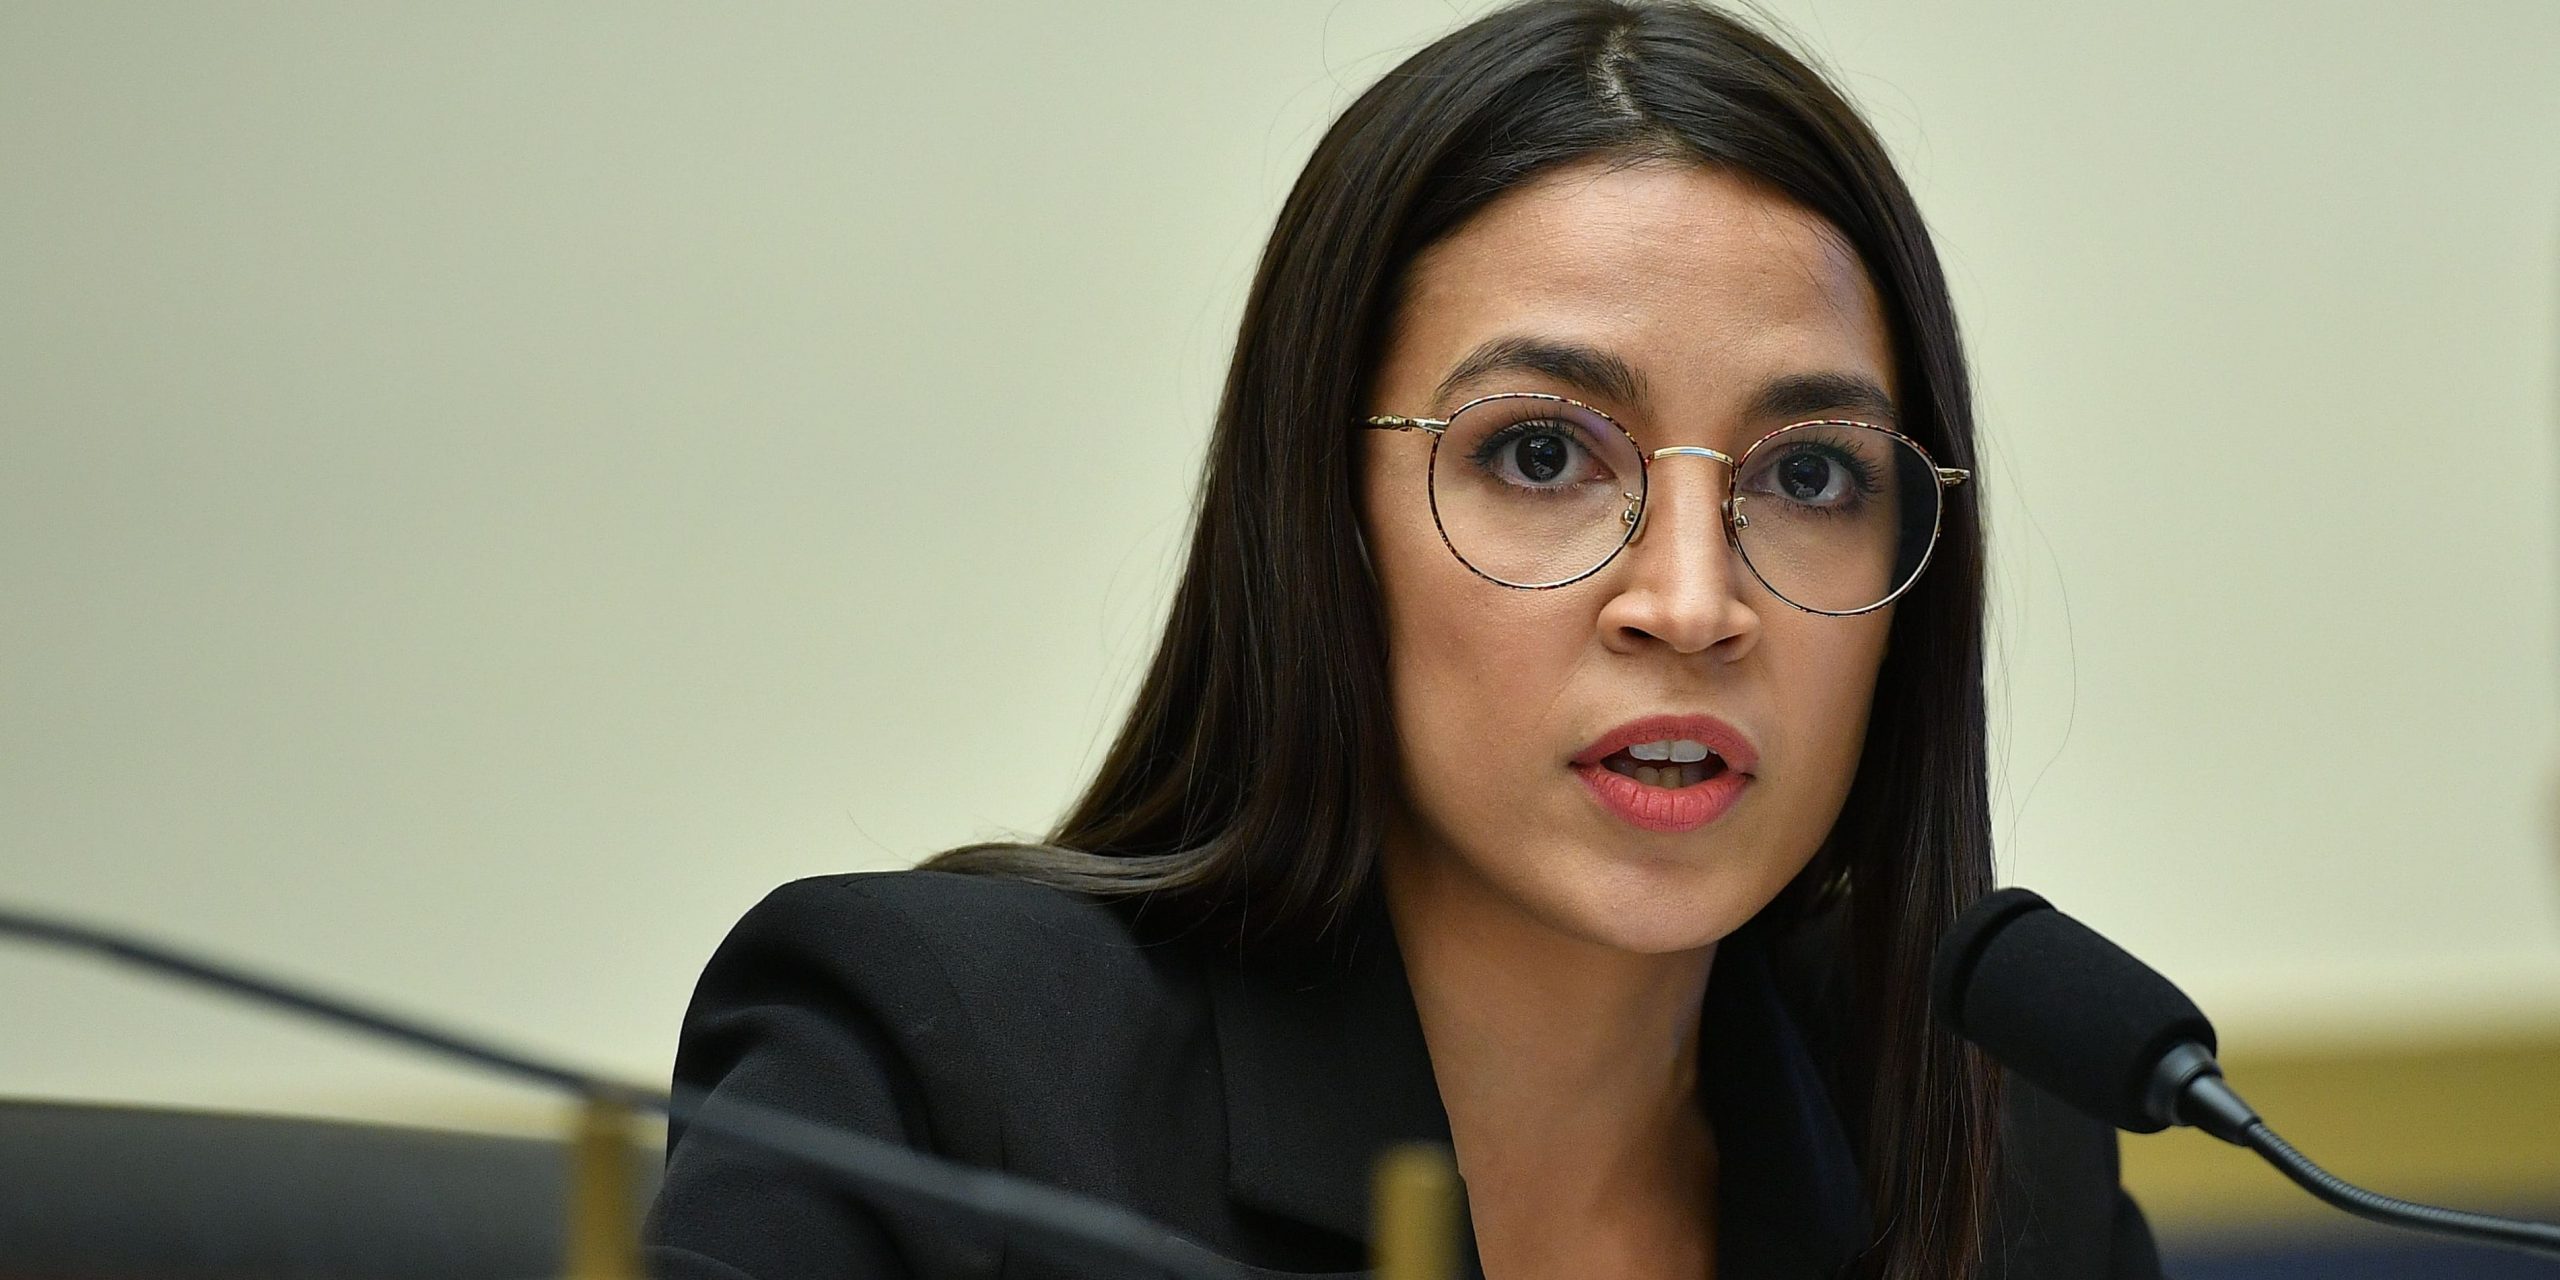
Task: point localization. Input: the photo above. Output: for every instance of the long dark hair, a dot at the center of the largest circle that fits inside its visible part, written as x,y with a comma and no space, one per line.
1246,795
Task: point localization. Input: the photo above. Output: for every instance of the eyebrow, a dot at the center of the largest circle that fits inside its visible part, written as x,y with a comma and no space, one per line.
1586,369
1806,395
1591,371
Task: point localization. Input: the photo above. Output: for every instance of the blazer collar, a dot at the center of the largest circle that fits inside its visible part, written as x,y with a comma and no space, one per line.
1325,1063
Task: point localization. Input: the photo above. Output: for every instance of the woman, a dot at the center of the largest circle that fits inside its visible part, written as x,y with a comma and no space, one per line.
1567,742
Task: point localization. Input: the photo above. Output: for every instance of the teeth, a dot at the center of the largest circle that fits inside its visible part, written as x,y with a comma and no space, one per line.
1688,752
1682,751
1651,751
1683,773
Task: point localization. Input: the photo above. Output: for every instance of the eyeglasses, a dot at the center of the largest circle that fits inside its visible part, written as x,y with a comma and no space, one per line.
1538,491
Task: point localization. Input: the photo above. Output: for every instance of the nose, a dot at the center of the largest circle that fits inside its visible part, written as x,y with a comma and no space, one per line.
1682,583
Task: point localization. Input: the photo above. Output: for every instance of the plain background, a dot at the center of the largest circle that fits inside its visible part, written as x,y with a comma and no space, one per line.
488,490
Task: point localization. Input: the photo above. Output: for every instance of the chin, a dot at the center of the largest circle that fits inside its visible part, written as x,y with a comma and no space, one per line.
1656,908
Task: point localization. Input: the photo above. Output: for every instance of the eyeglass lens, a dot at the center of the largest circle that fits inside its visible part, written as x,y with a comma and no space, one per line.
1536,492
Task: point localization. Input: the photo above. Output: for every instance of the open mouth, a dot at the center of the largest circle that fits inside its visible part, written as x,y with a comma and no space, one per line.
1671,764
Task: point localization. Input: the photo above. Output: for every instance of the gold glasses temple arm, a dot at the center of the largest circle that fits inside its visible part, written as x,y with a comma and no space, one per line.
1950,477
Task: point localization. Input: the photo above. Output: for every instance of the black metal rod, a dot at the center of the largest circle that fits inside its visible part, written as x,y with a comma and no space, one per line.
2514,1233
1064,1221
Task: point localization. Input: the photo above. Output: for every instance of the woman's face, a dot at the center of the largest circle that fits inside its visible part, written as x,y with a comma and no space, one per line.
1697,308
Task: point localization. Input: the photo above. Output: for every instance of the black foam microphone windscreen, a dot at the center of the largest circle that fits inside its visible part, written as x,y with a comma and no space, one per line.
2057,1003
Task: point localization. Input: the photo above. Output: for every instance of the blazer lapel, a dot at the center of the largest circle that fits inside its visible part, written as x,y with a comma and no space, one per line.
1325,1065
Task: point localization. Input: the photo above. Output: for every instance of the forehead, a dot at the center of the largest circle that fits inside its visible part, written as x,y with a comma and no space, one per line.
1707,282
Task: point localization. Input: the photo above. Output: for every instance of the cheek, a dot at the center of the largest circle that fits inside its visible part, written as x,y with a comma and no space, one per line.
1472,667
1475,684
1825,678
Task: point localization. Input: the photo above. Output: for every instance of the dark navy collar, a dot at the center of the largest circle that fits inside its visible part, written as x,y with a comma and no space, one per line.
1325,1064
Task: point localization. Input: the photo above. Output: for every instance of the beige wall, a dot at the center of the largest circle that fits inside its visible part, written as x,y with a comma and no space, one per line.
486,491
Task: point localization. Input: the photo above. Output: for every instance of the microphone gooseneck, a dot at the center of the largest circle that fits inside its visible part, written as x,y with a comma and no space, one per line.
2532,1237
1062,1221
2056,1002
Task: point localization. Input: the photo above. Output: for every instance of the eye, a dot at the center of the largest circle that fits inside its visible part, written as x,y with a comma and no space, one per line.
1538,454
1820,475
1809,477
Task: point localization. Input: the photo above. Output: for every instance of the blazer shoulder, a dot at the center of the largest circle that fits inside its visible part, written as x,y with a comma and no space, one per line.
993,915
1010,951
941,900
915,1007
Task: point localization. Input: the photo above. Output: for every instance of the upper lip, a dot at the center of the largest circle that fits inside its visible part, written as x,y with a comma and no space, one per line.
1726,741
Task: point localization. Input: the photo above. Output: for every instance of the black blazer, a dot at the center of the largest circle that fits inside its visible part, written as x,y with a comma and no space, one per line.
1019,1027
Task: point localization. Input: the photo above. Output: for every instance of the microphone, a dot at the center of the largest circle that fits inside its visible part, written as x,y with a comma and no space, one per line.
2052,1000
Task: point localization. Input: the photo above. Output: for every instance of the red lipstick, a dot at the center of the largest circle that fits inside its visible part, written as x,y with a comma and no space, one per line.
1669,809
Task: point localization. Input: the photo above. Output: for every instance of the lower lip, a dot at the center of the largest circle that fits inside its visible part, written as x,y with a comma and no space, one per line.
1663,808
